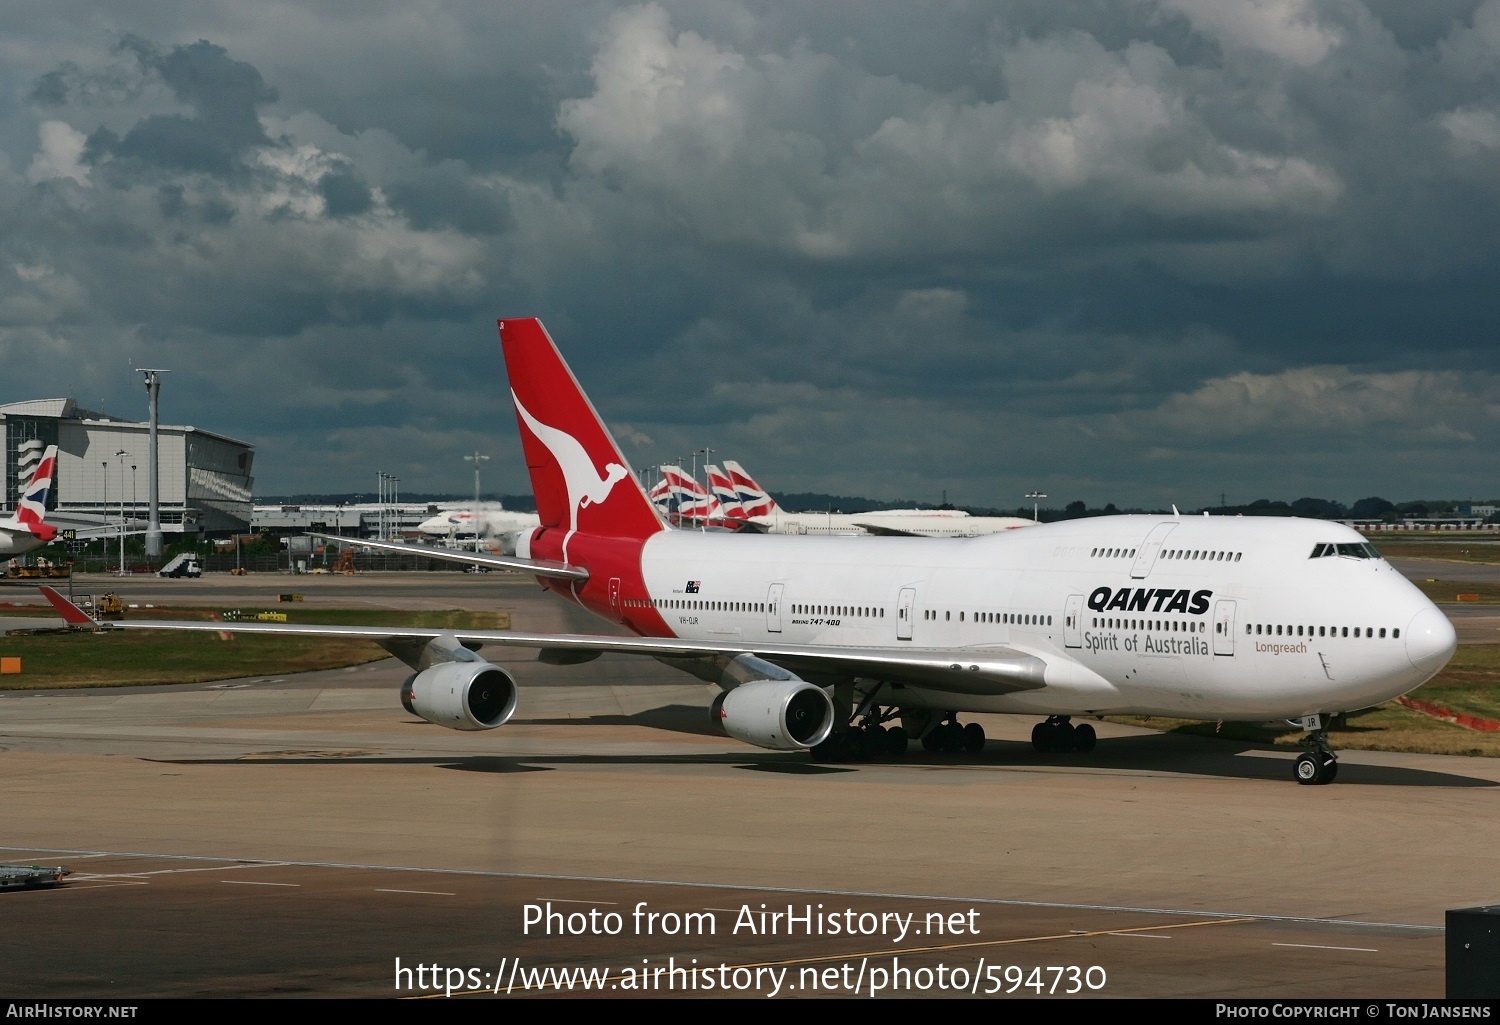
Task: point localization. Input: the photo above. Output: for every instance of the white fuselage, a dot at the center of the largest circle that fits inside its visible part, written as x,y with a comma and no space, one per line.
468,523
16,540
917,522
1201,617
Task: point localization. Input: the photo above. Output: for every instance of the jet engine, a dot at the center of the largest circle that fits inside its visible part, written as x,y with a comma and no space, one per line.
771,708
461,695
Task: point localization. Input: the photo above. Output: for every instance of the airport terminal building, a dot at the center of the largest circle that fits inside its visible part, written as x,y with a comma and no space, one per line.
205,479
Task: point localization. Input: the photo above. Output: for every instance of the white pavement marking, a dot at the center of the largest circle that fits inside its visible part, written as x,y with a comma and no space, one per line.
1319,946
254,882
431,893
178,871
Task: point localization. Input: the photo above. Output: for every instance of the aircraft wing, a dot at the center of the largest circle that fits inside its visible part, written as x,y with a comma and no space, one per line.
536,567
990,670
881,530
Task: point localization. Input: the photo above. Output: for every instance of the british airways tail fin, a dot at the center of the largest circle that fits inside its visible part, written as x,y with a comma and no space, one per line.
754,499
31,510
726,495
580,479
686,498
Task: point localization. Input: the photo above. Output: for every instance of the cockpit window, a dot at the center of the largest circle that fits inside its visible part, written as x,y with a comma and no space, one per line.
1358,550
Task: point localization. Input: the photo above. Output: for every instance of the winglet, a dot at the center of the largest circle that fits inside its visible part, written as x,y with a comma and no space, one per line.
72,614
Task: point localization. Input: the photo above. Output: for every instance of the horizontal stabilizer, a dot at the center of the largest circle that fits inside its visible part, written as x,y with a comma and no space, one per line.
536,567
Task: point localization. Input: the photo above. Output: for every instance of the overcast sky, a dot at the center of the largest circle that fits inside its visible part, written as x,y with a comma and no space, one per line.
1141,252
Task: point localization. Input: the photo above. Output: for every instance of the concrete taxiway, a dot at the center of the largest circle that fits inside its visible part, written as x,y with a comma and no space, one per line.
299,835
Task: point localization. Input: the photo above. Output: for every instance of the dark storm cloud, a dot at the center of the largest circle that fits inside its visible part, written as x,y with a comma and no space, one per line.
223,93
1116,250
446,196
345,194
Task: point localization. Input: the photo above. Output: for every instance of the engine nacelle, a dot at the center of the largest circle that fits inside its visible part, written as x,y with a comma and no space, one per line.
473,695
782,715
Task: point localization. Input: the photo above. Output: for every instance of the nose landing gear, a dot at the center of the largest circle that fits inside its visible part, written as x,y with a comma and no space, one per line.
1317,765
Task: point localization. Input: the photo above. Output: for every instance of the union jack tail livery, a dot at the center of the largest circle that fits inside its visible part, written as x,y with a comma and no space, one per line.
581,481
31,510
27,528
684,498
725,494
753,499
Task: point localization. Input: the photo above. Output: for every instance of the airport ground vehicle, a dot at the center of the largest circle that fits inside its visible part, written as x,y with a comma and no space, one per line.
184,565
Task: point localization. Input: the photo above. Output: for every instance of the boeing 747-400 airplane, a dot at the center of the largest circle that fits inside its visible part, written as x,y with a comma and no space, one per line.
849,646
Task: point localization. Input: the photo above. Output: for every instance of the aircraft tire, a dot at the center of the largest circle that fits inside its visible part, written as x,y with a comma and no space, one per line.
1060,737
973,735
953,738
1307,770
1084,738
895,741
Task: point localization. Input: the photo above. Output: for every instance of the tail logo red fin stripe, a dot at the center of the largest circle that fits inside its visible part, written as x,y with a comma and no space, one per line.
586,486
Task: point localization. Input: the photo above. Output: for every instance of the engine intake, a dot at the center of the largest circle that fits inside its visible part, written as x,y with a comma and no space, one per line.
461,695
778,711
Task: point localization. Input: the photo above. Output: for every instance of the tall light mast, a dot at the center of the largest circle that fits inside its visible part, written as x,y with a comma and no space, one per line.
476,459
153,526
1035,507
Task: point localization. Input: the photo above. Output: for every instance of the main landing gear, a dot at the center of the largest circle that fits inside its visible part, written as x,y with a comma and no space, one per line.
1058,735
865,737
868,736
1317,765
951,737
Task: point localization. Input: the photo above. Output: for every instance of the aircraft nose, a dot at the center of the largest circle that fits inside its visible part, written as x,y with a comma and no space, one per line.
1430,640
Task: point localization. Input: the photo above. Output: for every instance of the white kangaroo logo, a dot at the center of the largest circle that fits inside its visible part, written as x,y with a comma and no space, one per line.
585,486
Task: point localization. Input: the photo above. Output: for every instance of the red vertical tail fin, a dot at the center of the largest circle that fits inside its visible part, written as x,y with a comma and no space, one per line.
581,480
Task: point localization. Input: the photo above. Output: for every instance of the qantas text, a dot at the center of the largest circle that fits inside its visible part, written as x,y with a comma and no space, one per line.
1148,599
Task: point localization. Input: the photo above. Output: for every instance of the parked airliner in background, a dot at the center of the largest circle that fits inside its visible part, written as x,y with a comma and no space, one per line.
481,521
851,646
27,528
761,513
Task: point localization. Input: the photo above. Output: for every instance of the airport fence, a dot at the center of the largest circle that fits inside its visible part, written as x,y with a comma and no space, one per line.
364,562
283,562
